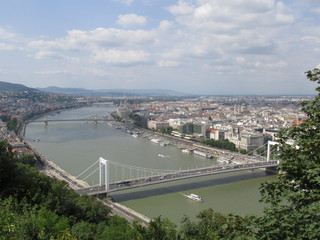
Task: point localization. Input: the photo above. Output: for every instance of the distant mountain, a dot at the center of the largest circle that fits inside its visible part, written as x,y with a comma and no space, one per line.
112,92
6,86
70,91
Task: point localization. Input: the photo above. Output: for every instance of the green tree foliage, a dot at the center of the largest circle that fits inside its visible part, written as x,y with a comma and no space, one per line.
215,226
295,197
13,125
167,130
34,206
8,169
28,159
137,120
160,229
222,144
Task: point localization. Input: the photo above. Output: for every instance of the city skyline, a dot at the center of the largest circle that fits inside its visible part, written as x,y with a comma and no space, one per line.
202,47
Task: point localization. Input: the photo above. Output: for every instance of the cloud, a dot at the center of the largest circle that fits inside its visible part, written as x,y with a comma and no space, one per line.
7,47
97,72
315,10
126,2
48,54
52,72
131,20
122,57
6,34
227,16
168,63
279,64
181,8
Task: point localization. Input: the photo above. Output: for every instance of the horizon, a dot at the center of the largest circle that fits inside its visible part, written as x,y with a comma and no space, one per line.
145,91
205,47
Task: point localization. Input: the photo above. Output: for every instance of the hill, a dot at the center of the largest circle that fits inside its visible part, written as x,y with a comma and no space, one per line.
112,92
6,86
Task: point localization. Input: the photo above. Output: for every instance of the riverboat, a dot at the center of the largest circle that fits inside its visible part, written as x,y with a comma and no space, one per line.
154,140
186,150
202,154
194,197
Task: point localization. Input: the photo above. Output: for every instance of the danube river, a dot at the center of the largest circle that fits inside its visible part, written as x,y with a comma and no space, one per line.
75,146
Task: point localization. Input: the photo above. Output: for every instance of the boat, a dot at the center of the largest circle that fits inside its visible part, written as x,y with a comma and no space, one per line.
185,150
194,197
202,154
154,140
135,135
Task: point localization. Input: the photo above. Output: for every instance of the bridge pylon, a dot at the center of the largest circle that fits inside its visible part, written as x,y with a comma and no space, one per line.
269,148
103,162
46,120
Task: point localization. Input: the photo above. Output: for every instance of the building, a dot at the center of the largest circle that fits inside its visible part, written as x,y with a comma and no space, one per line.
251,141
217,134
157,125
186,128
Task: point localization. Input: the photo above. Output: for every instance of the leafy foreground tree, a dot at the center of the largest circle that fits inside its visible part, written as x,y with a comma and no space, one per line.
216,226
294,199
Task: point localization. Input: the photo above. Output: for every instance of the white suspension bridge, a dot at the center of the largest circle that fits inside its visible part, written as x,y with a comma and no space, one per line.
132,176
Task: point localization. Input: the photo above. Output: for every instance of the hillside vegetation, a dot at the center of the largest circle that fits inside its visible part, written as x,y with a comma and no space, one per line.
6,86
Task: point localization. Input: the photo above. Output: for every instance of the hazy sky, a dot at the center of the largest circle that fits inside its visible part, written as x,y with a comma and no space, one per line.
195,46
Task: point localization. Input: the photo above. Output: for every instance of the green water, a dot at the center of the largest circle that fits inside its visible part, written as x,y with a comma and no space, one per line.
75,146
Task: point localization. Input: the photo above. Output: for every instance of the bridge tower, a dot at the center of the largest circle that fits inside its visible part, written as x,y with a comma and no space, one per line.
269,147
46,120
95,120
103,162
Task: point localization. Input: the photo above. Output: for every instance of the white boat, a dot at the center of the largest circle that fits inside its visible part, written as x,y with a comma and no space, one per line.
202,154
154,140
135,135
194,197
185,150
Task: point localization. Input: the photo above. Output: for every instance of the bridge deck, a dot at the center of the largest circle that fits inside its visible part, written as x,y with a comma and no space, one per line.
74,120
140,182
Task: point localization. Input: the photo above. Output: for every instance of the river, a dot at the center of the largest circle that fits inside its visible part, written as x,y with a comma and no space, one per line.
75,146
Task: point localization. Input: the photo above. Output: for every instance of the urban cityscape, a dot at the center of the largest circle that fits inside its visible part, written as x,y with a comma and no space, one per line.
160,120
247,121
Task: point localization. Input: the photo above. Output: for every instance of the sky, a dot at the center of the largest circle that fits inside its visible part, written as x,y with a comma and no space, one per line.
217,47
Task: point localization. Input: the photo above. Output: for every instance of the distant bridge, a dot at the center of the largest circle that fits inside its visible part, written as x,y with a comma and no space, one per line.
95,120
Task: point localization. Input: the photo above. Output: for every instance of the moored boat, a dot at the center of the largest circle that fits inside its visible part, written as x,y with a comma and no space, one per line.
154,140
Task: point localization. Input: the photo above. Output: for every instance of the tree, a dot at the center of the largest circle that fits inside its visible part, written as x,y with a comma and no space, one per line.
13,125
160,229
216,226
8,169
295,197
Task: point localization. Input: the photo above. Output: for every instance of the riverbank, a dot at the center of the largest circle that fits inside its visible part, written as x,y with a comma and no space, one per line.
224,157
51,169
